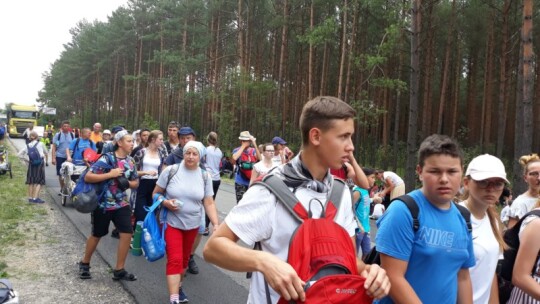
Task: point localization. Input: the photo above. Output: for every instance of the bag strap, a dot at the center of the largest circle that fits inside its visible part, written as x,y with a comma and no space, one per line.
174,169
413,209
285,196
337,192
466,214
7,283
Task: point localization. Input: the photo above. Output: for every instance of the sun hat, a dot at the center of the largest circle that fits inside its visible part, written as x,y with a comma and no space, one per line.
278,140
197,145
486,166
244,135
186,131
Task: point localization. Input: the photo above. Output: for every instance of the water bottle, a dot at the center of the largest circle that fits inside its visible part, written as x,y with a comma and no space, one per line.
179,203
149,244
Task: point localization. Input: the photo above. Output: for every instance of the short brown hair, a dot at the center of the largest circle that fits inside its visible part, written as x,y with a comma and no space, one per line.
320,113
438,144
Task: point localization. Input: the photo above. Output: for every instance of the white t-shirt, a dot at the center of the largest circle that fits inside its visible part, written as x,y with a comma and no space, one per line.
259,217
486,254
505,212
262,169
521,205
396,180
150,164
213,159
378,211
188,187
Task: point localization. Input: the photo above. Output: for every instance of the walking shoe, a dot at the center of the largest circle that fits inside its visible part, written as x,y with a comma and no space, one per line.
182,298
115,234
39,201
206,231
31,200
192,266
84,271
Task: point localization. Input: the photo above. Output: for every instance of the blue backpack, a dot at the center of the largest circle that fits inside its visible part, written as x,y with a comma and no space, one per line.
2,130
154,248
86,196
33,155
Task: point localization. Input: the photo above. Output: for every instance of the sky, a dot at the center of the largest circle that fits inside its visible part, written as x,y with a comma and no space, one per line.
33,33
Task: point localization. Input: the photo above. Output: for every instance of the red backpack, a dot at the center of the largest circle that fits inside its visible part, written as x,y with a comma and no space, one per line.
246,162
320,250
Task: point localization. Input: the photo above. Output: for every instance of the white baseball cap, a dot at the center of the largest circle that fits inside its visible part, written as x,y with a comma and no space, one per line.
107,132
486,166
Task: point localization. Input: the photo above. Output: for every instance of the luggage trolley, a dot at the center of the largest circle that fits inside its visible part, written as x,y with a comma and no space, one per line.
5,164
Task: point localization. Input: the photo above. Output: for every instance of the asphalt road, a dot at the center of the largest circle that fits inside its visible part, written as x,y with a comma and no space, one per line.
212,285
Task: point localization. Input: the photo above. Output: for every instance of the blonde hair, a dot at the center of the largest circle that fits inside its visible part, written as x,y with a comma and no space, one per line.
494,220
525,160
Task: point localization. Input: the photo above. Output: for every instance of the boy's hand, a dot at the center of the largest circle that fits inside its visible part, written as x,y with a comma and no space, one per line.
377,283
283,278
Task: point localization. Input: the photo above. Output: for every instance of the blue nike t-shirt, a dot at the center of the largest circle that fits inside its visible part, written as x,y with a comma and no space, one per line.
440,248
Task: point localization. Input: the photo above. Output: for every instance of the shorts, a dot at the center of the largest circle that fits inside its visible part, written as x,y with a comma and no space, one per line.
2,137
239,190
101,221
59,162
363,241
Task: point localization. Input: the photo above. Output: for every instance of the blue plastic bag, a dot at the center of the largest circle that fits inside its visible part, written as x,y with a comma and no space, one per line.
157,233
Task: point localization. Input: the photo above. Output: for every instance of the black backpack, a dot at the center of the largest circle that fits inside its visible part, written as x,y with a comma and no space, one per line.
374,258
511,238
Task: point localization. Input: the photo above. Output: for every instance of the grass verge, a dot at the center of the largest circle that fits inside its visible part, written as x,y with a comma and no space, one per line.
15,211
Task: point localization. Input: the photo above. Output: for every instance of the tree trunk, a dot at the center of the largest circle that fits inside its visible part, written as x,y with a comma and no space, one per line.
503,81
311,57
343,50
445,76
410,175
528,75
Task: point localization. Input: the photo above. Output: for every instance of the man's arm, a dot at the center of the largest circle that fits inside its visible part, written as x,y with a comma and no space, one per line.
465,294
240,150
401,291
53,152
222,250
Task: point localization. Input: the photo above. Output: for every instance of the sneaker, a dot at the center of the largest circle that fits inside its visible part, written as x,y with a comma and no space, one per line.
39,201
84,271
115,234
182,298
206,231
31,200
192,266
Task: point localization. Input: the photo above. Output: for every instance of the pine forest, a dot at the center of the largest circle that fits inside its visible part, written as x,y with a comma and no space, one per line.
411,68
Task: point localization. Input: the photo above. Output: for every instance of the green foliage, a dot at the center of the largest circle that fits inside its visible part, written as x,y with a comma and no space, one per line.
149,122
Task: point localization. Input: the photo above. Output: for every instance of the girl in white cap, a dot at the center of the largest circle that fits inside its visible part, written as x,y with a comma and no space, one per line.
484,182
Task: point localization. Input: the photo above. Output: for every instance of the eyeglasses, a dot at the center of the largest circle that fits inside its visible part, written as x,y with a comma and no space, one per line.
483,184
173,124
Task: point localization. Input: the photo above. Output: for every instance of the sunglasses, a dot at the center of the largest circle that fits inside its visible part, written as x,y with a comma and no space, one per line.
483,184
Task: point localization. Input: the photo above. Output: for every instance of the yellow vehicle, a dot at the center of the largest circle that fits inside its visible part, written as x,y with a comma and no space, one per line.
20,117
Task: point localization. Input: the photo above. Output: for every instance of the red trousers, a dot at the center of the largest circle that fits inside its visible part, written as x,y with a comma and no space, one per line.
179,244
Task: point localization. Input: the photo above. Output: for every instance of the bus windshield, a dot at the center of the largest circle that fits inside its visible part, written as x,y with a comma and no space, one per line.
24,114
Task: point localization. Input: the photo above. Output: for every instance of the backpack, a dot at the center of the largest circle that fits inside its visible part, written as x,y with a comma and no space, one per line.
511,237
245,163
154,249
33,155
320,250
7,294
2,130
86,196
373,256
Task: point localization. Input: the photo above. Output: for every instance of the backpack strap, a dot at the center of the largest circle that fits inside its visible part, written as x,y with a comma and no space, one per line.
413,209
174,169
466,215
334,200
285,196
76,147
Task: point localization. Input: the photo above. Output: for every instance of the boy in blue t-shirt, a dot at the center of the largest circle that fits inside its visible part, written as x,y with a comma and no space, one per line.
432,264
